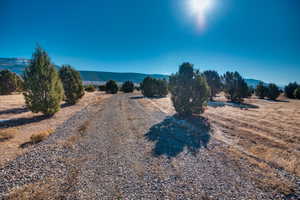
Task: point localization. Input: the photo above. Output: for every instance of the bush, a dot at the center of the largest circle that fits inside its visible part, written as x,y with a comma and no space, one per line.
152,87
9,82
297,93
43,87
290,89
214,82
235,86
261,90
102,88
189,90
273,92
148,87
111,87
127,86
72,84
90,88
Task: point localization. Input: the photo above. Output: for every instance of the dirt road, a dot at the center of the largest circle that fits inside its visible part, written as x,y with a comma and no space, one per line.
119,149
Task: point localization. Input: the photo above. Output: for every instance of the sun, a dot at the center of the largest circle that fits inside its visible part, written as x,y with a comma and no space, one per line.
199,9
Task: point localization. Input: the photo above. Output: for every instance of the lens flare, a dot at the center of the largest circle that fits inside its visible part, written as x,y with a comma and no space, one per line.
198,9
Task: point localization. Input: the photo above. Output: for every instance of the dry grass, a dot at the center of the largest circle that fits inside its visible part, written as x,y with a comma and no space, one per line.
7,134
38,137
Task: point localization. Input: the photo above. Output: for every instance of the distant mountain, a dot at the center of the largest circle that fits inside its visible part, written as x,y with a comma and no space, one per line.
18,65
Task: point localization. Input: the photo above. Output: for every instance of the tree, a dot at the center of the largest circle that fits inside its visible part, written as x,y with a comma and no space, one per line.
189,90
290,89
102,88
273,91
111,87
235,86
72,84
147,87
261,90
90,88
154,87
297,93
127,87
43,87
8,82
161,88
214,82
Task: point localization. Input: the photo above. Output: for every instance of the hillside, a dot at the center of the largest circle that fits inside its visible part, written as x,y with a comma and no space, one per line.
18,65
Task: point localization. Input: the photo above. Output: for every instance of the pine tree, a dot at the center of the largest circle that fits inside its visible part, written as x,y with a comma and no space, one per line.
261,90
72,84
43,87
214,82
161,87
235,86
127,87
111,87
8,82
189,90
273,91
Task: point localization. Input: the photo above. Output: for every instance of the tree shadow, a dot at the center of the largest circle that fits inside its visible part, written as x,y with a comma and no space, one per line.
64,105
21,121
14,111
282,101
137,97
216,104
173,135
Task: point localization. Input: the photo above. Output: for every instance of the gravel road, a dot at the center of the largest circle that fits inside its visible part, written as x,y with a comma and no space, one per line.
124,151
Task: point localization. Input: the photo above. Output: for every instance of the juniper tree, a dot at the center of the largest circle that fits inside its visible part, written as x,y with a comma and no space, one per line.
273,91
161,87
127,87
8,82
72,84
261,91
189,90
235,86
214,82
43,87
111,87
148,87
290,89
297,93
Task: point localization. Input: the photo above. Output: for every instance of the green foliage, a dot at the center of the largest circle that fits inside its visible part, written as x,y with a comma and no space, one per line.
235,86
290,89
43,88
152,87
297,93
127,87
9,82
111,87
189,90
72,84
261,91
214,82
90,88
251,91
273,92
102,88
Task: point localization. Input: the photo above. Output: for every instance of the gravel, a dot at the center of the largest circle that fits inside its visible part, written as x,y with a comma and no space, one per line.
128,152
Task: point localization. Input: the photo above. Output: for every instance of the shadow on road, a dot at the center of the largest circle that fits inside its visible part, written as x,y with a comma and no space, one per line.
173,135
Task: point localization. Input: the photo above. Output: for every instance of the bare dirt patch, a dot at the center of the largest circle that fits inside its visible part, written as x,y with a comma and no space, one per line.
18,125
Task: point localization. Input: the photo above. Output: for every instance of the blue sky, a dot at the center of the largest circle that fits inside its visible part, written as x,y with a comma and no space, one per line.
258,38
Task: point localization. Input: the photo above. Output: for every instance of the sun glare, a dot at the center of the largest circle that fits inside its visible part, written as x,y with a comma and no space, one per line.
199,9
